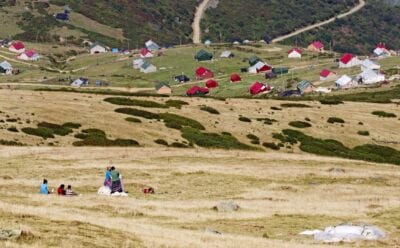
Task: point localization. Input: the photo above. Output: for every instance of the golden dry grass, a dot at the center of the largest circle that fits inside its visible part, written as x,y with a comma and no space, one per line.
280,195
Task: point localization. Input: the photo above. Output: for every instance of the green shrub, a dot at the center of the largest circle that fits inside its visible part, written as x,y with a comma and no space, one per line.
11,120
332,101
271,145
71,125
133,119
384,114
284,138
173,125
255,142
13,129
333,120
161,142
299,124
267,121
252,137
244,119
209,110
213,140
138,112
176,103
182,121
97,137
295,105
10,143
43,132
363,133
57,129
134,102
276,108
178,145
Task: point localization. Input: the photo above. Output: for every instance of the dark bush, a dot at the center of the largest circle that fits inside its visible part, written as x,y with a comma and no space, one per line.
276,108
11,120
138,112
134,102
40,131
295,105
161,142
267,121
244,119
209,110
331,101
299,124
252,137
57,129
97,137
176,103
182,121
13,129
333,120
133,119
384,114
10,143
363,133
178,145
72,125
271,145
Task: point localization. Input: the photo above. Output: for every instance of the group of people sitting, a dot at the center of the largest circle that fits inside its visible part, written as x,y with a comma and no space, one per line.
113,180
44,189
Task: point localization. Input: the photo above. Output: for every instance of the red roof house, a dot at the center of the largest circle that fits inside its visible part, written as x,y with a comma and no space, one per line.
211,83
348,60
295,53
145,53
17,47
326,74
258,88
235,78
316,46
203,73
196,90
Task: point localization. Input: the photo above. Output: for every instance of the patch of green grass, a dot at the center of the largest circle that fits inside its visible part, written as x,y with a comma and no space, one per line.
244,119
176,103
334,148
295,105
333,120
138,112
134,102
97,137
213,140
181,121
209,110
363,133
299,124
384,114
133,119
43,132
57,129
284,139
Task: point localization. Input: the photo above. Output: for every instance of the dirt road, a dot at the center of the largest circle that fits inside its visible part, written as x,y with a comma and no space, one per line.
197,20
358,7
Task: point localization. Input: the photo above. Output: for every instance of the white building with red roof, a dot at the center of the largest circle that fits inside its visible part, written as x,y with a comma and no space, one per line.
30,55
145,53
327,74
348,60
295,53
316,46
17,47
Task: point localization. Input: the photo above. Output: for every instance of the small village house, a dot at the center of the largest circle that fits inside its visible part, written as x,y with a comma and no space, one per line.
381,51
203,55
29,55
259,67
97,48
305,87
369,65
152,46
202,73
163,89
147,67
316,46
17,47
145,53
326,75
348,60
80,82
295,53
345,82
370,77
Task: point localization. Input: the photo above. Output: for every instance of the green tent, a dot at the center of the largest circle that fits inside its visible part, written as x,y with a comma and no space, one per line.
203,55
254,60
280,70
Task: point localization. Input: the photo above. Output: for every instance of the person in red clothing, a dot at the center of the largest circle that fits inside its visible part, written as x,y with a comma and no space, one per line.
61,190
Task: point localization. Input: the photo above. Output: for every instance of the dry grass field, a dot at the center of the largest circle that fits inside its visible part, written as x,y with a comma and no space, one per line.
279,193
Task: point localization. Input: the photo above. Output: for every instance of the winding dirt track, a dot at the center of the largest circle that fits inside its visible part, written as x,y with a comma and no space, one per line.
197,20
358,7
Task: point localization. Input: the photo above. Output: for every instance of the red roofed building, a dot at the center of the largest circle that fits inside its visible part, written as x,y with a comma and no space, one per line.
145,53
196,91
258,88
295,53
29,55
211,83
348,60
316,46
381,51
203,73
326,75
17,47
235,78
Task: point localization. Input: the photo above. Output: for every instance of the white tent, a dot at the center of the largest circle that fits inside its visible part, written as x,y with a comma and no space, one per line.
369,65
371,77
6,67
97,49
226,54
137,63
151,45
80,82
381,52
256,68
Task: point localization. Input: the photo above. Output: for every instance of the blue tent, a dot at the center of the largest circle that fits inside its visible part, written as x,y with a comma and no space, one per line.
62,16
115,50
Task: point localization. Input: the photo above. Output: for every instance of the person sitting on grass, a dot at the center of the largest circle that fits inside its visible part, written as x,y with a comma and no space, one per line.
69,191
116,185
107,180
44,189
61,190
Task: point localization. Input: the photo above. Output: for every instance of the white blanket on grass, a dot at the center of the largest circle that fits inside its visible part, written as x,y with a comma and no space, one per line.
104,190
346,233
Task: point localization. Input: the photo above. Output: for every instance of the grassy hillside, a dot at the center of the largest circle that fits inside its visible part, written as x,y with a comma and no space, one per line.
359,33
255,19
